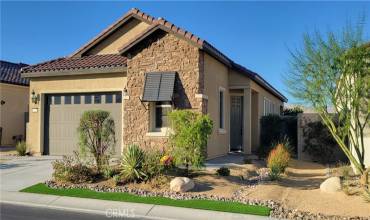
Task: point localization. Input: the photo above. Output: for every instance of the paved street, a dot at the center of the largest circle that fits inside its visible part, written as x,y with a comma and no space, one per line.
19,212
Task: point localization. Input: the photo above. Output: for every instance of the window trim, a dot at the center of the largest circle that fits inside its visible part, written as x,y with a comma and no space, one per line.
221,129
153,130
155,113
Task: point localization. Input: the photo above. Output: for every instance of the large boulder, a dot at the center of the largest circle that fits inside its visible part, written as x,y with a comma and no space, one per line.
330,185
181,184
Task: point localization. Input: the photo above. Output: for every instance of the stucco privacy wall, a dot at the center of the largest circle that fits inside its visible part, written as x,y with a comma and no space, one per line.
65,84
12,117
216,76
161,52
263,93
120,37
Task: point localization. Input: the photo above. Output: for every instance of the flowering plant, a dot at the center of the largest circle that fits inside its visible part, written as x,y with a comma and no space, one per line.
166,160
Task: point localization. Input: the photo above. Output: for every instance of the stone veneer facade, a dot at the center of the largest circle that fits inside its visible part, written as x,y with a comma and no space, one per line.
161,52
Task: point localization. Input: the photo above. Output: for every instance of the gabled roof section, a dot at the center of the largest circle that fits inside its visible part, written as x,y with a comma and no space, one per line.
76,63
9,73
160,23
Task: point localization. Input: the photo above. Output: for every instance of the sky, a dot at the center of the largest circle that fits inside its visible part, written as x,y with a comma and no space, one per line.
258,35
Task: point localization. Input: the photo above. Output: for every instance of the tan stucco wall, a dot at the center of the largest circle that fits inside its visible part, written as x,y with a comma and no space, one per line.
65,84
12,118
119,38
263,93
215,76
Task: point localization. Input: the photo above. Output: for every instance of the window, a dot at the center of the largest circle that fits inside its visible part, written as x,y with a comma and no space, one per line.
118,98
97,99
269,107
87,99
108,98
76,99
67,99
57,100
161,114
221,108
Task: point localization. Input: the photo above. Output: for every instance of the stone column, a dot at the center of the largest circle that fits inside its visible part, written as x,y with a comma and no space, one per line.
247,113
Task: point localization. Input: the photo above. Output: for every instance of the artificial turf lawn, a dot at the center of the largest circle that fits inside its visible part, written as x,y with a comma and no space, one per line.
233,207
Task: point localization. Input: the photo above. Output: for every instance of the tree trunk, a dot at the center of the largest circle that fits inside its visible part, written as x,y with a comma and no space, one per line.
364,181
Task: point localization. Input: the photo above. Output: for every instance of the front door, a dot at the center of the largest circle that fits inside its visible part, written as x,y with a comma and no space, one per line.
236,123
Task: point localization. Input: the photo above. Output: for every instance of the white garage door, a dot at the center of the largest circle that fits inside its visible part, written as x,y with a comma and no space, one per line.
62,117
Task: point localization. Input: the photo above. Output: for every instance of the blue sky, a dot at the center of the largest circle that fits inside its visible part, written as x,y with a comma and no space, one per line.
257,35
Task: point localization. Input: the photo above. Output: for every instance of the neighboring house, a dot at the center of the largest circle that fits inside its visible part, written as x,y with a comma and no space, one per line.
14,93
140,68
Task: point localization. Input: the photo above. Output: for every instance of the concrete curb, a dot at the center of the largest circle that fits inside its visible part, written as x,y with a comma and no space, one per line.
87,211
124,209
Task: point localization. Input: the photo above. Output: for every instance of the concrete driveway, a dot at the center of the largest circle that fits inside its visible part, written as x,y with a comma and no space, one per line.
21,172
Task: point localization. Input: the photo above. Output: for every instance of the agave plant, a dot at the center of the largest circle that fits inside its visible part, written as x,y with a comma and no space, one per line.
132,163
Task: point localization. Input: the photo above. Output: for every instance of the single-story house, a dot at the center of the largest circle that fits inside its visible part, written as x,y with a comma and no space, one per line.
139,68
14,93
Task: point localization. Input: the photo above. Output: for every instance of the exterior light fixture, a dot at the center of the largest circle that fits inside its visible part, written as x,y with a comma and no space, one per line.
35,98
124,92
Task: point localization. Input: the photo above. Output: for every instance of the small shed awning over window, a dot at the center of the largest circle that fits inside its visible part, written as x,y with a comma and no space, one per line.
159,86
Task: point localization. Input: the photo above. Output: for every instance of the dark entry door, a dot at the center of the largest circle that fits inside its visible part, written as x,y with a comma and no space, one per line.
236,123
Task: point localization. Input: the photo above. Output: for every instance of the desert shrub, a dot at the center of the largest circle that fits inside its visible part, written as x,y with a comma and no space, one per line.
152,164
21,148
116,179
345,171
319,143
71,169
275,128
366,195
274,173
223,171
132,164
159,181
278,161
97,135
189,137
108,172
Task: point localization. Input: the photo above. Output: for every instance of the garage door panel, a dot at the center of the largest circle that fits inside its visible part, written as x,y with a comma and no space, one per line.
62,120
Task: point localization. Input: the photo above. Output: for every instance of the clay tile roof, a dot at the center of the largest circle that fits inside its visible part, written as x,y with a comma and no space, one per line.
9,73
75,63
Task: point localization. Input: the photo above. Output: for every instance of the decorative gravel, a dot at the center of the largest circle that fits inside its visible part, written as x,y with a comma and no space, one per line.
278,210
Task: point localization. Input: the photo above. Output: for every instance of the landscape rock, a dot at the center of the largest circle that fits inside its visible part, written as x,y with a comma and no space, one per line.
181,184
278,211
330,185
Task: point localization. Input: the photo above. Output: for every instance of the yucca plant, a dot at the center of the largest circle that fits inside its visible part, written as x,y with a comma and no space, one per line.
132,164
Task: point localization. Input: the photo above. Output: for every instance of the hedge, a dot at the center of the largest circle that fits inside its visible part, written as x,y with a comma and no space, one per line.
275,128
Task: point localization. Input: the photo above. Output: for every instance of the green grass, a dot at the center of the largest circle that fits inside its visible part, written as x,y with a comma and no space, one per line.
233,207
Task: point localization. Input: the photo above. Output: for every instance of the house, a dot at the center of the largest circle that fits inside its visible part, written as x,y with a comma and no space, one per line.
14,92
140,68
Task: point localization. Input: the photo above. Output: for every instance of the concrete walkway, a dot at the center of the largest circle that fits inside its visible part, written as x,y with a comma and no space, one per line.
123,209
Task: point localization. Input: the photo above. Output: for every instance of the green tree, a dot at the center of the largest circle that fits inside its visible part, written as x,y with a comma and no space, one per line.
294,111
189,137
333,72
97,135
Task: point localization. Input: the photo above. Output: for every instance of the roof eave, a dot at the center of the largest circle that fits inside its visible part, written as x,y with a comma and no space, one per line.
74,72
